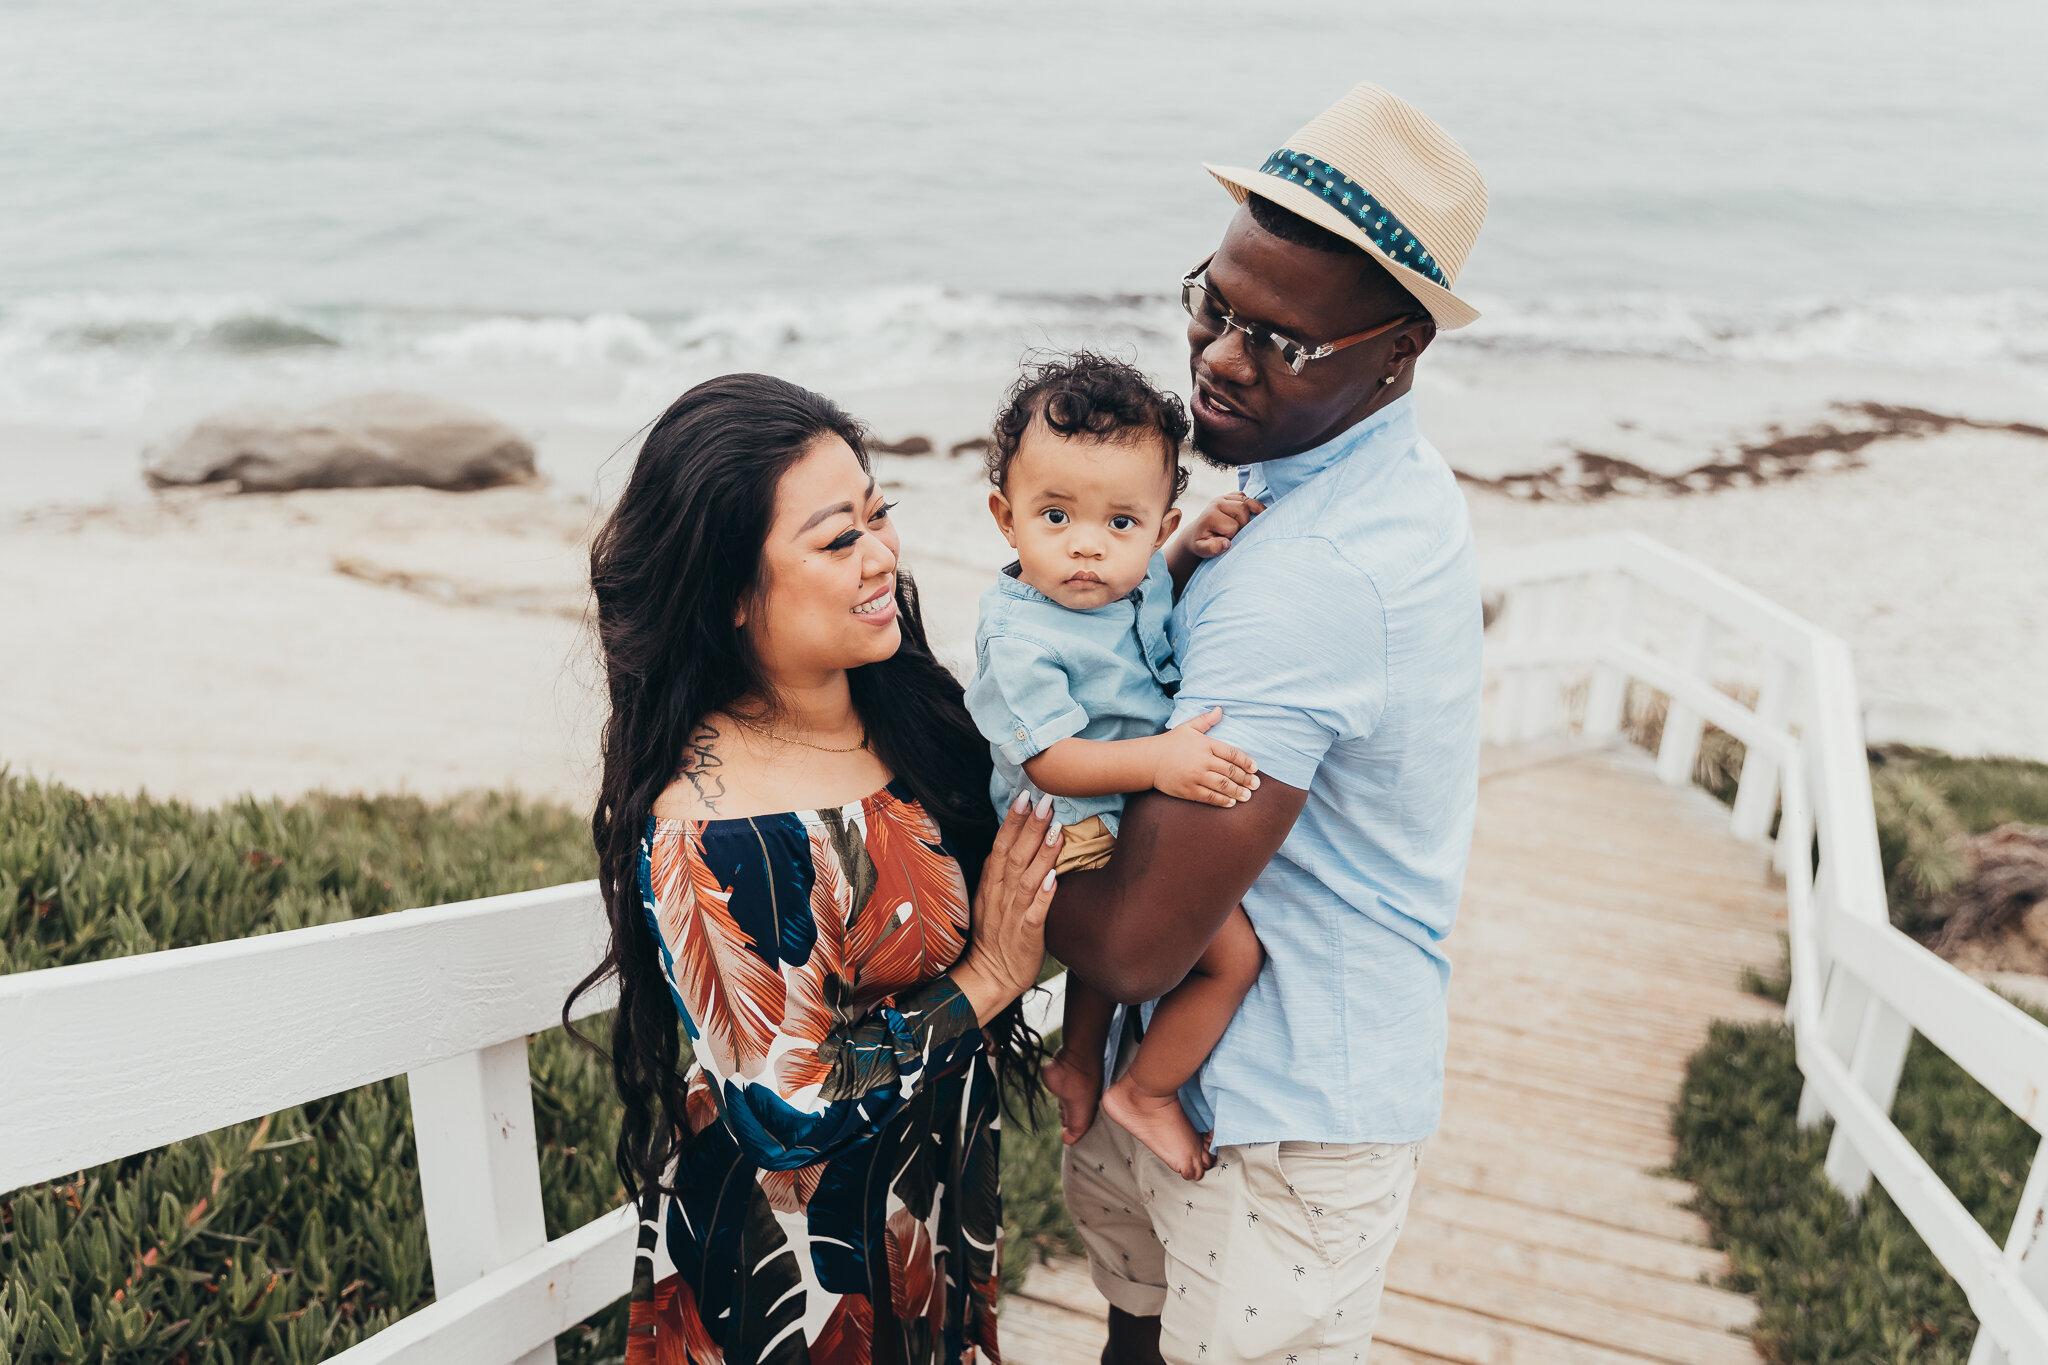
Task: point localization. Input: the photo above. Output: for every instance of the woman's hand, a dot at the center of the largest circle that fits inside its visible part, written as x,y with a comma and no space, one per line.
1007,946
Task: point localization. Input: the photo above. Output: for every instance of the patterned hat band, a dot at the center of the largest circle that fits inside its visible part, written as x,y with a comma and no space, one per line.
1345,195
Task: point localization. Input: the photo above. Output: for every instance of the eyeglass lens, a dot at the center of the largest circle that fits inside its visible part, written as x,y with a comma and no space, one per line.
1206,309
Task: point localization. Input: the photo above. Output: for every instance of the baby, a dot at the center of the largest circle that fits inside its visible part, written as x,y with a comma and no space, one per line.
1073,680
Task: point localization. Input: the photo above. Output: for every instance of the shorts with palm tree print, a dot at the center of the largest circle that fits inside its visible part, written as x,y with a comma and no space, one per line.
1278,1254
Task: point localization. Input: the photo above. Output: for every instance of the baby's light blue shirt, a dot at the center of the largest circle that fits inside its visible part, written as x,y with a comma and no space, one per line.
1044,673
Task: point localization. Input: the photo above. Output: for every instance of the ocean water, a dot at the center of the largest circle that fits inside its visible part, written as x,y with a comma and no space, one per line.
571,212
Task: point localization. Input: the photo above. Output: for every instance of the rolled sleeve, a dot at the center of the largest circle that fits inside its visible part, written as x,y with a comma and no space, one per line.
1021,699
1292,645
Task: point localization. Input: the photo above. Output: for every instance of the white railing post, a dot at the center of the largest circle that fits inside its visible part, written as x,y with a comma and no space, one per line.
1608,692
2020,1247
1871,1036
1756,795
1518,628
1542,701
473,1127
1844,1001
1683,725
1800,909
1798,709
1875,1064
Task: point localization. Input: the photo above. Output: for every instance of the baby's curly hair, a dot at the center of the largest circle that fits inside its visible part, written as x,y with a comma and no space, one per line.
1092,394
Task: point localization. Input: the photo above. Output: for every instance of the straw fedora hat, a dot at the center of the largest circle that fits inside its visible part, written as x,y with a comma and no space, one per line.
1373,170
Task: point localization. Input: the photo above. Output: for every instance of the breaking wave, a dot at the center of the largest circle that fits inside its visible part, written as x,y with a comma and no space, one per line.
64,356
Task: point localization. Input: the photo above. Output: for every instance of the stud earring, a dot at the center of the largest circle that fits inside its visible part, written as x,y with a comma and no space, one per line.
1388,380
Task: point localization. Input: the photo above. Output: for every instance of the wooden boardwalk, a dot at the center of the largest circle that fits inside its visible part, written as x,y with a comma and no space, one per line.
1606,921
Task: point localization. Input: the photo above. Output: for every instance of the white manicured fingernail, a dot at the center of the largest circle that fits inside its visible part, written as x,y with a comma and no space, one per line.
1022,803
1050,878
1052,832
1044,806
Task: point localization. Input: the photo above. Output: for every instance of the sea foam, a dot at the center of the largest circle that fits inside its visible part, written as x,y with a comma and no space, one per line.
86,357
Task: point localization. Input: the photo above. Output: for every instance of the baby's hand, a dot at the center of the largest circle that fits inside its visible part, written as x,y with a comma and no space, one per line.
1220,522
1195,767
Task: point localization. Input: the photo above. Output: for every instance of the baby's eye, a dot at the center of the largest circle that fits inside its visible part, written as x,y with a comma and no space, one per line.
1054,516
1123,523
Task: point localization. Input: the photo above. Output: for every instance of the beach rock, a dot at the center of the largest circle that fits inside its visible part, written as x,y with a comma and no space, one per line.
913,445
369,441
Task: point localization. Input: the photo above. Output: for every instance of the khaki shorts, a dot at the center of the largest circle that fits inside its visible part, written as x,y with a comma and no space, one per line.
1279,1253
1085,846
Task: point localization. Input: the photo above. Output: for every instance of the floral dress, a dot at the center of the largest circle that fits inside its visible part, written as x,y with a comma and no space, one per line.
838,1201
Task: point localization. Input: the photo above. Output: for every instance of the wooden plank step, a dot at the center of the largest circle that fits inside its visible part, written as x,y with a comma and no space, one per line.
1585,1322
1499,1257
1529,1225
1610,1193
1470,1337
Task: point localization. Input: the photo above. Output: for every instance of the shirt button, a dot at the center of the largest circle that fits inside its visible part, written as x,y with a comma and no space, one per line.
1022,733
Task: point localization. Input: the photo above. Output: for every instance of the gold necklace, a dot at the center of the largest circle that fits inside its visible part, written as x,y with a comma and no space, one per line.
802,743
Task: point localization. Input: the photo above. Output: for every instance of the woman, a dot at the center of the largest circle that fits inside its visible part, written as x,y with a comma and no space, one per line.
794,803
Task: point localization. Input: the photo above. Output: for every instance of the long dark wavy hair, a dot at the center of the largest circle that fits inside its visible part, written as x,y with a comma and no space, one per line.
678,554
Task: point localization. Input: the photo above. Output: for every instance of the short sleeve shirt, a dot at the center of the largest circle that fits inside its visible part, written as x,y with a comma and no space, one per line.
1044,673
1340,634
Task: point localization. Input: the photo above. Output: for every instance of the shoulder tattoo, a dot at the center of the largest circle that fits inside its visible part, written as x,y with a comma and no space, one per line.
701,765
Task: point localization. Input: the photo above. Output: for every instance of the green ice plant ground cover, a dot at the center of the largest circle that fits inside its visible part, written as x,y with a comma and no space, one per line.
291,1238
1832,1284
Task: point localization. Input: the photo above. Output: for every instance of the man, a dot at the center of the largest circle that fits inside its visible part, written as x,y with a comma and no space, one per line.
1341,637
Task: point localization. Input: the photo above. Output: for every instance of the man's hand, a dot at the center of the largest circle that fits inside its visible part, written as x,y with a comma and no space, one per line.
1194,767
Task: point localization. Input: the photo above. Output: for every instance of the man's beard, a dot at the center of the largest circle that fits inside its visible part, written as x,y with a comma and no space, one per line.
1209,458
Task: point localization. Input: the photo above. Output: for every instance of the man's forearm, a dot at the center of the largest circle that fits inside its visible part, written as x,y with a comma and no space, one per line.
1133,929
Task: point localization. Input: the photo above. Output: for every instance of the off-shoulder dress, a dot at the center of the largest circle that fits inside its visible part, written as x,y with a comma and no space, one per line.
837,1202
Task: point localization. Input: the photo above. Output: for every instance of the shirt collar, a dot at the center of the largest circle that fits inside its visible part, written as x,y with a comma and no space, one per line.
1393,424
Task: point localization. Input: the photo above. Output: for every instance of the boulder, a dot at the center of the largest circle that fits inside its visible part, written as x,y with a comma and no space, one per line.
910,445
371,441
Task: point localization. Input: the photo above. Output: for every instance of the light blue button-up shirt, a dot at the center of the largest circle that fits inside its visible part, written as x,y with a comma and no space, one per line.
1044,673
1341,636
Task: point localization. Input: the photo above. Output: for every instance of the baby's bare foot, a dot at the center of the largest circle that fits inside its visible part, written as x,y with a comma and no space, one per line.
1160,1123
1078,1089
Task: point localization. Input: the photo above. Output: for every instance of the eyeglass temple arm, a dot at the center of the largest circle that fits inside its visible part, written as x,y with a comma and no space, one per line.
1331,347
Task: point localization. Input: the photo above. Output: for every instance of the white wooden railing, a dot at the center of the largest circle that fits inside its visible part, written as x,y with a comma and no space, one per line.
106,1059
1577,622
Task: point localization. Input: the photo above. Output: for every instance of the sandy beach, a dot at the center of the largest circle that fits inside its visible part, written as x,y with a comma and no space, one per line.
203,644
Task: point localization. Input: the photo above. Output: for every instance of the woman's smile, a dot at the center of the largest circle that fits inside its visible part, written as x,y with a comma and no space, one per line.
879,609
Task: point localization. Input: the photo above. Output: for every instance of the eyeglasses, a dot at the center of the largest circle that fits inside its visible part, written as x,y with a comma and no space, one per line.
1213,315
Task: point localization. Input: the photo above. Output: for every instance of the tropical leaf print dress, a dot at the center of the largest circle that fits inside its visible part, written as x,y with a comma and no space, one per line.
837,1202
